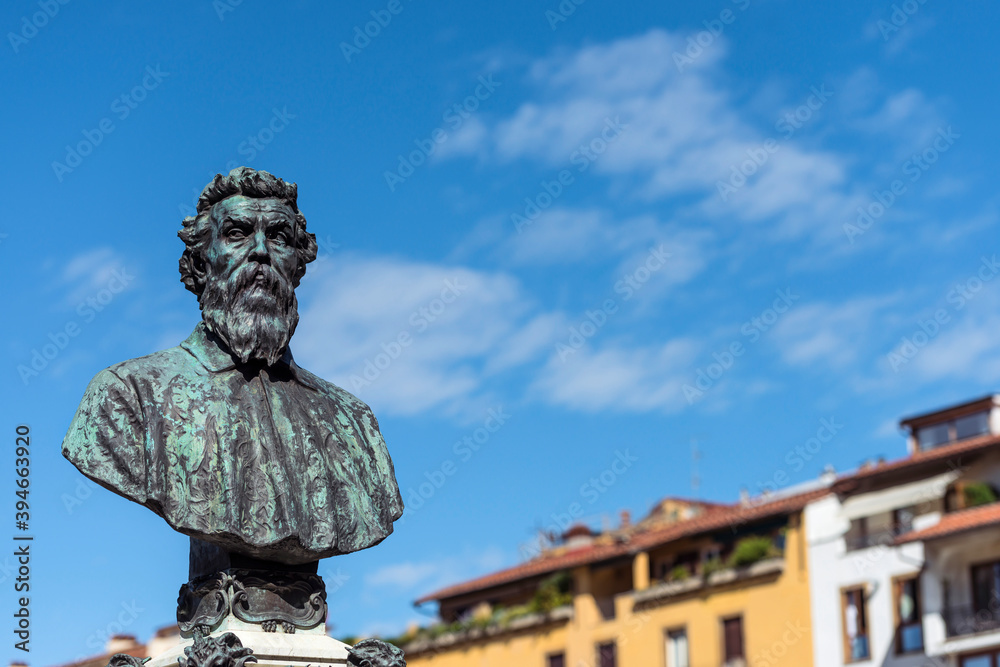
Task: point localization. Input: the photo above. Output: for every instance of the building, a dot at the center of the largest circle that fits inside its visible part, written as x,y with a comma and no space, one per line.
903,553
896,564
164,639
691,584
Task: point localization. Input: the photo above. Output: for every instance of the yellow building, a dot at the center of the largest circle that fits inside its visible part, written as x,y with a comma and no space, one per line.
692,585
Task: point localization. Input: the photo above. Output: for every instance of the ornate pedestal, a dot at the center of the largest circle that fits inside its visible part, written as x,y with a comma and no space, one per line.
254,611
274,600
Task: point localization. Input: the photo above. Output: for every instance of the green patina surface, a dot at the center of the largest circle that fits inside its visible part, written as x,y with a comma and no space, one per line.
275,462
224,436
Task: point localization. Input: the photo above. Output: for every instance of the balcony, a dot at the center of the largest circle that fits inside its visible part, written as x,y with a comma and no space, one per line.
667,591
964,620
857,542
444,637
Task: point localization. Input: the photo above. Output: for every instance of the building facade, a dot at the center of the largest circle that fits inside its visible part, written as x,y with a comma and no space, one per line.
896,564
726,586
903,552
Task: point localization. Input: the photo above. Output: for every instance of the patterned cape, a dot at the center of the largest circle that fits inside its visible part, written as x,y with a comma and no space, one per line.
275,463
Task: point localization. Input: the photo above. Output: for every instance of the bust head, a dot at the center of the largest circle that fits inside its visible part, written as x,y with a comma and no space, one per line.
246,250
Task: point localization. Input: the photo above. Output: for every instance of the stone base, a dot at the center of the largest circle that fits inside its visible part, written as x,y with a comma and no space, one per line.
273,648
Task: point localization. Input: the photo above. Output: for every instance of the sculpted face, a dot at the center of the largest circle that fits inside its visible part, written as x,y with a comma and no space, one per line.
249,297
247,230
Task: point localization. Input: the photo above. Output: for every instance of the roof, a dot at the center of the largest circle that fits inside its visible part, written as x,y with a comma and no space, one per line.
940,454
689,501
713,519
950,412
956,522
716,517
102,660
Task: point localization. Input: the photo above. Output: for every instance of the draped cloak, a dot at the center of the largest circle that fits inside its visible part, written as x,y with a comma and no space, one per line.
270,462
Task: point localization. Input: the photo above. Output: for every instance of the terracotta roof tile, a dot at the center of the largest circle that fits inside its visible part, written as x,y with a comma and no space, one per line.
941,453
712,519
956,522
102,660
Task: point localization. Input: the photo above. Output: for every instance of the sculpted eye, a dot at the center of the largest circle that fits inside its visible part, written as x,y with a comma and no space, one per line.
279,235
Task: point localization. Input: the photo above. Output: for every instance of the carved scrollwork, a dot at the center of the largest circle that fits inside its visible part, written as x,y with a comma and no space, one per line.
285,600
204,602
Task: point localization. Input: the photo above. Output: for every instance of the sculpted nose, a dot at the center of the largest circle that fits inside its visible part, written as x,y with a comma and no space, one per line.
259,251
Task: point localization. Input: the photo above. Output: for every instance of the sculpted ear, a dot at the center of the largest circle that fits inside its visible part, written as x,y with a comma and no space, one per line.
192,268
198,268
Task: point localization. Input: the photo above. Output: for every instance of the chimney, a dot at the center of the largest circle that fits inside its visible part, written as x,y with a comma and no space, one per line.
626,518
829,474
164,639
744,496
119,643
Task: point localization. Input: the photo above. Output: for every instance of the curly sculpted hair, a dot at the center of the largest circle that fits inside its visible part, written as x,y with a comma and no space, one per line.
197,229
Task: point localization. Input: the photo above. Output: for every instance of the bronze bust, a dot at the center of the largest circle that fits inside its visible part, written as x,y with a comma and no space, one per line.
225,436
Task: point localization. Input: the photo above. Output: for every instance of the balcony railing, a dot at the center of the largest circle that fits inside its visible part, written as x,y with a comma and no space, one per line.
969,620
664,592
884,538
856,542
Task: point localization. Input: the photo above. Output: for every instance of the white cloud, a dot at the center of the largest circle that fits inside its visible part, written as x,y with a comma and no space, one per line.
466,140
686,132
403,575
89,272
619,378
832,335
564,235
968,349
409,337
433,574
354,311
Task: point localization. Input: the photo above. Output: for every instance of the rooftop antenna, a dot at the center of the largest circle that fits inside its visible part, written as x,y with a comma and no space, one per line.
695,477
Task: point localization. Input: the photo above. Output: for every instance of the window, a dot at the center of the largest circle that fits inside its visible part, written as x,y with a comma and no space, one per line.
556,660
991,659
607,655
985,592
857,536
855,624
732,641
909,617
972,425
930,437
902,520
969,426
606,605
677,648
687,560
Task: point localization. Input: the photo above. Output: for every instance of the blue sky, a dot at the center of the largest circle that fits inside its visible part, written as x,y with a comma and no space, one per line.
621,228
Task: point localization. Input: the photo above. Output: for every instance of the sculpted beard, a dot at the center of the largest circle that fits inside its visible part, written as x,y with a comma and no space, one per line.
254,317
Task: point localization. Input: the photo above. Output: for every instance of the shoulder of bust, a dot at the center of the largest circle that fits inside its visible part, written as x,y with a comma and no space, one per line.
150,366
338,394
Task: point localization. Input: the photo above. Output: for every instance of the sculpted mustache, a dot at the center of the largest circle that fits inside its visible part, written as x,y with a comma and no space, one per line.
247,276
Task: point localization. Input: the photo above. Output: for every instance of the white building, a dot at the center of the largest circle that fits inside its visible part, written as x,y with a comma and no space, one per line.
889,549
